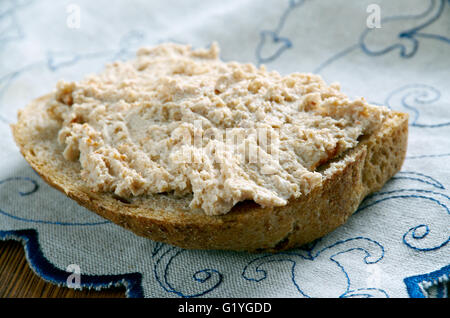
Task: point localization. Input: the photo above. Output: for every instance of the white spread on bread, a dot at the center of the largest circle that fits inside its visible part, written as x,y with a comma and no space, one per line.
134,128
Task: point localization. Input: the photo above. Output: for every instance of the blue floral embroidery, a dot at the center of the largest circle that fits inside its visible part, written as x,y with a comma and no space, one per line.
208,278
373,252
417,176
49,272
430,16
412,98
33,185
59,59
11,29
415,236
429,156
271,40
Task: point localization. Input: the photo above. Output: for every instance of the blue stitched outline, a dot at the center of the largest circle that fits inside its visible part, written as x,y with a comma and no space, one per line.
198,276
76,57
309,247
336,57
418,177
33,182
429,156
126,41
259,274
35,187
409,34
413,283
418,91
421,236
123,48
424,35
49,272
309,256
411,231
15,26
53,222
158,246
163,280
286,43
53,66
406,190
365,292
405,196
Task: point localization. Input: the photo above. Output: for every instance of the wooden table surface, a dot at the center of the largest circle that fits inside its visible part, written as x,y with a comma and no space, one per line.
18,280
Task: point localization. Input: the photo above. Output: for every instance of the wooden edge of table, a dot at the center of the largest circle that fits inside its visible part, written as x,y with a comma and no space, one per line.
17,280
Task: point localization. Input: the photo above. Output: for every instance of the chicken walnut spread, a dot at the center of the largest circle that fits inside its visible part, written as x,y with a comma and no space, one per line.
182,121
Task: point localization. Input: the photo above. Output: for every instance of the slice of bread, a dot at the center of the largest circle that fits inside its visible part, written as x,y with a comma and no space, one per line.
162,217
114,142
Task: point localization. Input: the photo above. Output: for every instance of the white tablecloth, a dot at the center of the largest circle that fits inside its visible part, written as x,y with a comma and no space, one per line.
396,245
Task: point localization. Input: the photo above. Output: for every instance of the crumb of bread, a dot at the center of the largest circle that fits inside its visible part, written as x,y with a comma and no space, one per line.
180,120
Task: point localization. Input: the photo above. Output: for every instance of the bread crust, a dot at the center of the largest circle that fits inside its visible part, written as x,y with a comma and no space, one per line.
247,226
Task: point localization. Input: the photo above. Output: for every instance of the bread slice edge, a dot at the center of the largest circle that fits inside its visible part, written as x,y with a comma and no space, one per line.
248,227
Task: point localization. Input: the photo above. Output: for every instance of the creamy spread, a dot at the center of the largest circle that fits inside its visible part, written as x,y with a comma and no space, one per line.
178,120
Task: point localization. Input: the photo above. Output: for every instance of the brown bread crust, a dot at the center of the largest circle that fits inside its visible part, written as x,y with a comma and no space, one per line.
249,227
